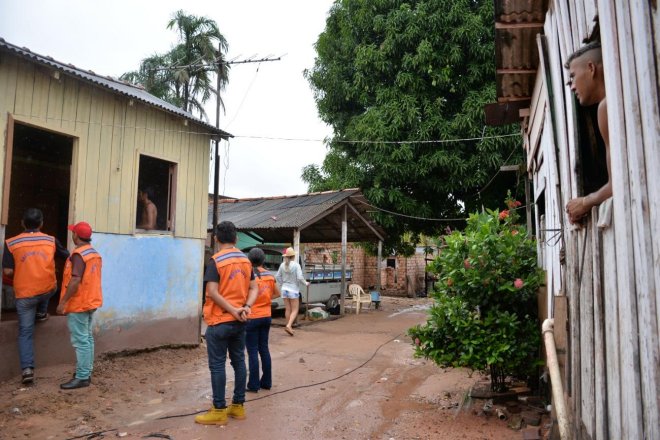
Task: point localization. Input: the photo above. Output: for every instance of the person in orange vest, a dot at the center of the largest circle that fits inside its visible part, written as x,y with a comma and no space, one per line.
80,296
231,290
258,326
30,258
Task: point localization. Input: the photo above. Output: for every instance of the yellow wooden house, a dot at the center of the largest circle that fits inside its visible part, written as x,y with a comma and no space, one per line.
79,146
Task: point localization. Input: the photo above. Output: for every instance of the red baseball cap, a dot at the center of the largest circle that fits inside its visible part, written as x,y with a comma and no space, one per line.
82,230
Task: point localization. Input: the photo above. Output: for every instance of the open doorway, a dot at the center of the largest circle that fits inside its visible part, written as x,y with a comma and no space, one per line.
39,176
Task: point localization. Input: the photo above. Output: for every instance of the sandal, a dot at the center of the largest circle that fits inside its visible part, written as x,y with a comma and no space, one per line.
288,330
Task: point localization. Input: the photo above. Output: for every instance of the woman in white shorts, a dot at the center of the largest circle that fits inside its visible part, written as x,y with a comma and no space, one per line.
289,277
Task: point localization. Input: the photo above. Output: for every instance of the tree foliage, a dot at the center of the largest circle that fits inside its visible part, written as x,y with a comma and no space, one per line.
181,76
485,311
412,71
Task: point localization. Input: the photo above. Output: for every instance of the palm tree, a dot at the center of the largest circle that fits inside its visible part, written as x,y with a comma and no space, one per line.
181,76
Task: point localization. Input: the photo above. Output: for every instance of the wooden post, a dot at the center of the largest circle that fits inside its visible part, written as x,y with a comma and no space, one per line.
296,245
378,263
344,239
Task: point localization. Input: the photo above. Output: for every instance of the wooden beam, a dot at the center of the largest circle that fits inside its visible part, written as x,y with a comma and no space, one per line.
9,153
503,113
528,25
516,71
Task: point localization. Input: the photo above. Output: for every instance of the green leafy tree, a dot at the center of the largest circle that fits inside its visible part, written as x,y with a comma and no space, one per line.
485,314
414,71
182,75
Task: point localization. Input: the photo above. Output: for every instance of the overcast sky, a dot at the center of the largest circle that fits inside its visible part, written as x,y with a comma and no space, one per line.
263,100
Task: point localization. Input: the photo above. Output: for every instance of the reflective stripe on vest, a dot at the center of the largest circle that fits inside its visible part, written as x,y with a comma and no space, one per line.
34,263
235,271
262,305
89,295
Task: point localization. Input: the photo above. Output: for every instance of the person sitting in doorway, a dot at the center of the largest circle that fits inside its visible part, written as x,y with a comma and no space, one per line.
149,212
587,81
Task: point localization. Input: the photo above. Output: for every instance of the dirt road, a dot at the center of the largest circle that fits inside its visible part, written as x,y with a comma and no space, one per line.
350,378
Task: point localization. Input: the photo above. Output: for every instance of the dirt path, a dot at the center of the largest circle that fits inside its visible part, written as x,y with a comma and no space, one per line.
384,393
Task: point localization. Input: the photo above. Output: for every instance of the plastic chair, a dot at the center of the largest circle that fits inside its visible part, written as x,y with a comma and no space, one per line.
359,297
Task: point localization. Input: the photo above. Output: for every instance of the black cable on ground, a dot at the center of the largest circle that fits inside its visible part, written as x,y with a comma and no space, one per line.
100,433
298,387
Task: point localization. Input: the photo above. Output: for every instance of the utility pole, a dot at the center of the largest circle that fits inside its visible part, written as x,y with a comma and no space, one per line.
216,157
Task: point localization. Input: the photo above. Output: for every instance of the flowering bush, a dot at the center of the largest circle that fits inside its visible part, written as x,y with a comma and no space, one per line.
485,313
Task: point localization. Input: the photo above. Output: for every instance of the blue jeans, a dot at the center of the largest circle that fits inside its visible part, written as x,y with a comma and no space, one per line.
256,342
82,339
27,308
220,338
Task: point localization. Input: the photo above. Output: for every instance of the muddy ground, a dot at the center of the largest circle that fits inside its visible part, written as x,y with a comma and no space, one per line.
348,378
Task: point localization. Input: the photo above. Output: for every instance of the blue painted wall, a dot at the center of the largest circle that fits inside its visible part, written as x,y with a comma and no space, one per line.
148,278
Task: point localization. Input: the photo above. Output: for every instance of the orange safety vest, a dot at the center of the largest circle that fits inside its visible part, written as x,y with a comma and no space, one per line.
235,271
34,263
261,307
89,295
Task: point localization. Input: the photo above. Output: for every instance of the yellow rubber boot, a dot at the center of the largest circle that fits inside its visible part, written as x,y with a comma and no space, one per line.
213,416
236,410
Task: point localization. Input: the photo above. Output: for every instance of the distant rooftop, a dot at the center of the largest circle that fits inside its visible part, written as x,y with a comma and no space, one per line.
317,215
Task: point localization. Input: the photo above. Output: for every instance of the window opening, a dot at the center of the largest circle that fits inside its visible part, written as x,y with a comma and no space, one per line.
156,195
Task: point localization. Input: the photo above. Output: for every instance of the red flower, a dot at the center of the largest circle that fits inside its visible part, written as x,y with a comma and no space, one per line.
504,214
518,283
466,263
517,203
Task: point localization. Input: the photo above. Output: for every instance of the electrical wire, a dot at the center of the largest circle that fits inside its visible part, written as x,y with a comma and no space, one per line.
247,91
174,416
204,133
436,141
298,387
413,216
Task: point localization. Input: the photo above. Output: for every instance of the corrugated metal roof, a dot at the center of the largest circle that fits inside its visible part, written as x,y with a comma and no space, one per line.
274,218
115,85
516,55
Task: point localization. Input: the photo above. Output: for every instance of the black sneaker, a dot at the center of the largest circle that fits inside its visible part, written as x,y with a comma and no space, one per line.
41,317
27,376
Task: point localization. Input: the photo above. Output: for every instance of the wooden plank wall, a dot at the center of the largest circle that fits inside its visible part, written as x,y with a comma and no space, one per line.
109,131
632,94
611,275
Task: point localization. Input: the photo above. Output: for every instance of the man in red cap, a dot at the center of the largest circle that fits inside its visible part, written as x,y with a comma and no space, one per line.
29,258
79,298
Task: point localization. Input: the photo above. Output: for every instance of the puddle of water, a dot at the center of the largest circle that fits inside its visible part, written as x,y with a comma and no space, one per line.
415,308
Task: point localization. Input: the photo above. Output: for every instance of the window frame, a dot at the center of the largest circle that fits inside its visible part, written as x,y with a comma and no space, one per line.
170,218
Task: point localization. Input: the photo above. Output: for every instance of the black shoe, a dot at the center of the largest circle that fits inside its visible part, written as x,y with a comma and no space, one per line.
265,388
75,383
251,391
27,376
89,378
41,317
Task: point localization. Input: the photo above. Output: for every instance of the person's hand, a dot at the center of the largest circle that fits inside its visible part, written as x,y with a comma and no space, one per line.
238,313
307,283
577,209
60,309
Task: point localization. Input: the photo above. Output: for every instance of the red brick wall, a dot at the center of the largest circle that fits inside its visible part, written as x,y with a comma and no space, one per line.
406,280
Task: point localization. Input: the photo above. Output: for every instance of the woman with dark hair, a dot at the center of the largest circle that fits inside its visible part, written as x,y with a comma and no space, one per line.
258,325
289,277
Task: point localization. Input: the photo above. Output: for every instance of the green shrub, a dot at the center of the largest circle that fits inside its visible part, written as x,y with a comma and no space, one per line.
485,311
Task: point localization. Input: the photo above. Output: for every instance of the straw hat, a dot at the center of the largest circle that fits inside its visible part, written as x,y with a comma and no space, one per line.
289,252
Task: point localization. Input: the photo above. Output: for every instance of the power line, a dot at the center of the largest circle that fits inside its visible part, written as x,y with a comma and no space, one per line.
270,138
413,216
436,141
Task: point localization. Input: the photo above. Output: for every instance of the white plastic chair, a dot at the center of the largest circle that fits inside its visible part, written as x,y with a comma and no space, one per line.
359,297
